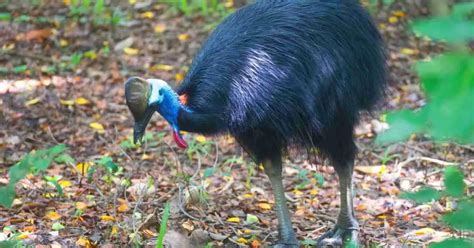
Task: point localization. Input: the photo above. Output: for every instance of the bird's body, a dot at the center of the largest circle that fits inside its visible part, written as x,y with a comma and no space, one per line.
289,71
274,74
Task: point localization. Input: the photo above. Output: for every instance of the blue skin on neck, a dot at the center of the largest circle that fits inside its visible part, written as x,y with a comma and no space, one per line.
166,100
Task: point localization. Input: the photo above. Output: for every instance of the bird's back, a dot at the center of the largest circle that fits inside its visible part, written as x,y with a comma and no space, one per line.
293,67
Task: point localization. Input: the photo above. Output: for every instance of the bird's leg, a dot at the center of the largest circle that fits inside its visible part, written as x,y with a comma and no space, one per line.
346,230
287,238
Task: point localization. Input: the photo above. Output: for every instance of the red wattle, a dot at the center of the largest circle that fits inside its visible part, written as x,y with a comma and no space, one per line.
179,140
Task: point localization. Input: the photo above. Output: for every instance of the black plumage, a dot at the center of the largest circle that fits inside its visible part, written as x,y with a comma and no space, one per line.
280,73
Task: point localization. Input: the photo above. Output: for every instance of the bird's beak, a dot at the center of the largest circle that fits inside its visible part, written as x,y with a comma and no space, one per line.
141,124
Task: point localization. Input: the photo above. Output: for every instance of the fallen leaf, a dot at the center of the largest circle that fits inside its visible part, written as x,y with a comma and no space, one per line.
107,218
408,51
114,230
264,206
242,241
81,205
162,67
234,219
83,168
179,77
97,126
23,235
148,15
399,13
65,183
160,28
66,102
256,244
188,225
39,34
123,207
63,42
83,241
130,51
183,37
32,101
81,101
393,19
52,215
200,139
132,2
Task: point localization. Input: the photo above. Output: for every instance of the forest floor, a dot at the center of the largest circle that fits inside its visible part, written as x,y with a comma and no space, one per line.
62,82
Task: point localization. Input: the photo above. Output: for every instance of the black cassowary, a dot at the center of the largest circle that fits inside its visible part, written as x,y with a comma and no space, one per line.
278,74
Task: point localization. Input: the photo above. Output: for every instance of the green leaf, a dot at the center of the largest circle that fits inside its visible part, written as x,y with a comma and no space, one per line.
11,243
7,195
462,218
163,228
402,124
57,226
445,28
423,195
99,7
208,172
65,159
251,219
309,242
20,69
461,10
454,181
5,16
453,243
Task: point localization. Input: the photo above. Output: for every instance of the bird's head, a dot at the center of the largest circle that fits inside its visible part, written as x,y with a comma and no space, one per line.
147,96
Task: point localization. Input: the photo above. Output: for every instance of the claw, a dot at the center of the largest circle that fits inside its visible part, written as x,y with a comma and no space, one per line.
339,237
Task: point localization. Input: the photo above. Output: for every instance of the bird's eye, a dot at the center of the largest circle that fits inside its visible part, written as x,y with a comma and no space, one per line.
160,92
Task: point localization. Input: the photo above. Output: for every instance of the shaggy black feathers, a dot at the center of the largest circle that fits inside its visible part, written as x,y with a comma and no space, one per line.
281,73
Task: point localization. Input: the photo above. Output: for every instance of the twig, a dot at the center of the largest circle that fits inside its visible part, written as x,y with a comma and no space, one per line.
181,203
432,160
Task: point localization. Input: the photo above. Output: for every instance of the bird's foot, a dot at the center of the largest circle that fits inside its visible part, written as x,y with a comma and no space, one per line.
339,237
286,244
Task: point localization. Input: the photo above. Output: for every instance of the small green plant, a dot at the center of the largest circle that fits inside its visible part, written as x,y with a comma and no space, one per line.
34,163
96,11
462,217
163,227
203,7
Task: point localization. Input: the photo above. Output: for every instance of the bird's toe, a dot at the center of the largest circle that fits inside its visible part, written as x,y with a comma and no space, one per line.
338,237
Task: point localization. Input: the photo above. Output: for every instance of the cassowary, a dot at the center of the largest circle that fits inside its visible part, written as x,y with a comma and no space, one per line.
278,74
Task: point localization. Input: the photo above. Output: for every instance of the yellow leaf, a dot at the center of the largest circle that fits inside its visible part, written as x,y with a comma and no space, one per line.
183,37
83,241
114,230
107,218
382,171
424,231
382,26
83,168
32,101
148,15
242,241
408,51
264,206
234,219
149,233
188,225
179,77
200,139
66,102
65,183
368,169
248,195
22,236
67,2
81,101
229,3
314,192
393,19
130,51
160,28
145,157
63,42
123,207
132,2
163,67
52,215
81,205
399,13
297,192
97,126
